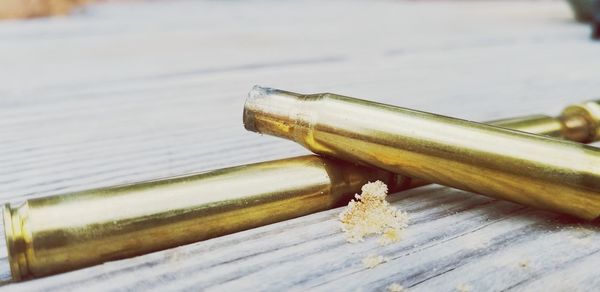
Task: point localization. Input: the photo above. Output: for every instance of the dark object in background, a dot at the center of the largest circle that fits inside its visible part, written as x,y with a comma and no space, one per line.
588,11
596,20
583,9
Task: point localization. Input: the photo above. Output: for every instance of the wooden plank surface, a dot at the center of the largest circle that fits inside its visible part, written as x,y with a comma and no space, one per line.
132,91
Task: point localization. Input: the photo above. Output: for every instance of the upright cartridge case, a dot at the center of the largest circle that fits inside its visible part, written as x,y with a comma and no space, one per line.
529,169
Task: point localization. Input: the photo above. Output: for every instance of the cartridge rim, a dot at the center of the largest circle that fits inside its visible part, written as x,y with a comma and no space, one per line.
9,236
590,112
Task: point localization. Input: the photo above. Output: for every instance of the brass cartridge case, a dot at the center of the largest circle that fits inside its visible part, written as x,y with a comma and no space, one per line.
533,170
60,233
65,232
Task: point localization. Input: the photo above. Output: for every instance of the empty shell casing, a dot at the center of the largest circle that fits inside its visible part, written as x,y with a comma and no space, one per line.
529,169
65,232
60,233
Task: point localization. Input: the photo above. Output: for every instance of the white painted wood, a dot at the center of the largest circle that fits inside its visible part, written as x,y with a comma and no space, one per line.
123,92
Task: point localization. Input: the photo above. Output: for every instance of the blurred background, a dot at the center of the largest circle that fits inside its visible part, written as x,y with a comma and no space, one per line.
99,93
106,92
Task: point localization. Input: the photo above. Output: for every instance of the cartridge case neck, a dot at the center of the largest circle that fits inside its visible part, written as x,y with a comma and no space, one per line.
537,124
279,113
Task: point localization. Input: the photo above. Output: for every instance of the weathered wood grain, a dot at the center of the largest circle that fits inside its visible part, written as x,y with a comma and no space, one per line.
112,96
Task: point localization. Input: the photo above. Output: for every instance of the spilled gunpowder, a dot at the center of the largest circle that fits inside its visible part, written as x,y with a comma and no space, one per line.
370,214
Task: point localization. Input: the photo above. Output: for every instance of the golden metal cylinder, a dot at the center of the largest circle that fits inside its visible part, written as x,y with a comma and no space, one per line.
60,233
537,124
65,232
529,169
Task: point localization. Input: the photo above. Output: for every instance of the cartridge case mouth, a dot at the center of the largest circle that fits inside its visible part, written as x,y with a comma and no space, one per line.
15,243
248,117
